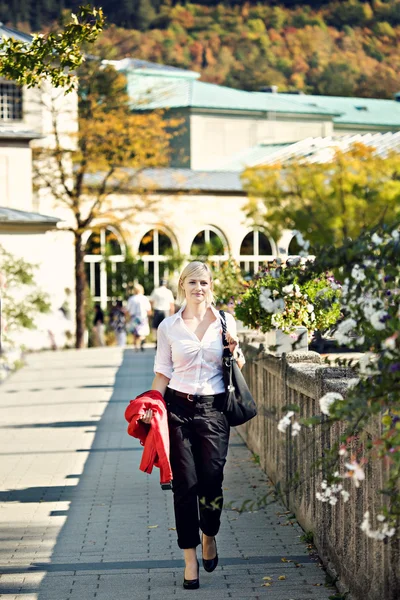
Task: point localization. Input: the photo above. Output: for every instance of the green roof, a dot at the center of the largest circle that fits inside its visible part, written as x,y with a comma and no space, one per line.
152,86
355,111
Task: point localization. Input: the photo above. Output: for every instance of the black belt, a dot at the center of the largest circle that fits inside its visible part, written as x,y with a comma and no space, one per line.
195,397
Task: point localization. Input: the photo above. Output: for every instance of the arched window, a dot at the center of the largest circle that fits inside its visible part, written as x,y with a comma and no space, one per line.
104,253
155,248
256,248
294,247
210,243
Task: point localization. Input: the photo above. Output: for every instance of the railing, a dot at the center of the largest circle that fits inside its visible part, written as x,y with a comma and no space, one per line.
369,569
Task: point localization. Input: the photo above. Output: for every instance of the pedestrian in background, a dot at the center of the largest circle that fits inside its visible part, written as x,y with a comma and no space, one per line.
98,326
163,304
139,309
118,319
188,373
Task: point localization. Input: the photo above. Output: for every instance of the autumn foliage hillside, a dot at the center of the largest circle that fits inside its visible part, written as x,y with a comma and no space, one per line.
347,47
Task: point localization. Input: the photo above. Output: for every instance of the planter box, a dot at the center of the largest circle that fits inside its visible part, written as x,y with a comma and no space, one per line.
276,341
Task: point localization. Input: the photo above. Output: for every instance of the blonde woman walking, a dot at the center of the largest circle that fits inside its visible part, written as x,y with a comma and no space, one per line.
188,373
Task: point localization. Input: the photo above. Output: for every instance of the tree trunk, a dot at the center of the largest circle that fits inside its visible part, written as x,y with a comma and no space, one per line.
80,283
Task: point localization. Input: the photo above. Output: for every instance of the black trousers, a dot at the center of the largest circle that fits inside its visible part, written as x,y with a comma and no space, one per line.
199,437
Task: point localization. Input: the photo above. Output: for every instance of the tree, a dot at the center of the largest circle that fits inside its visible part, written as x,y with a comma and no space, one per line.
21,299
330,201
54,56
112,147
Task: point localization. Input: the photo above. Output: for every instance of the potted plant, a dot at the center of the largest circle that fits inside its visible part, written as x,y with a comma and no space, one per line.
285,309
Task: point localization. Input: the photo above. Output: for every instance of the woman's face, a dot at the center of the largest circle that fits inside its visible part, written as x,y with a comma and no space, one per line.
197,288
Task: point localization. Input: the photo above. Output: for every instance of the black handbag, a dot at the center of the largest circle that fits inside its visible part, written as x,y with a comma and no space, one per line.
239,404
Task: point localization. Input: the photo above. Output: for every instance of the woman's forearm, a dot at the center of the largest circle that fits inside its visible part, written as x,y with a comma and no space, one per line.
160,383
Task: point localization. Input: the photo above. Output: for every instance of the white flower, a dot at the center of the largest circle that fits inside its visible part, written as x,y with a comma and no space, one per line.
285,421
279,305
270,305
357,273
310,308
288,288
381,518
345,495
376,534
295,428
389,343
396,234
367,364
343,330
376,320
265,301
329,493
370,305
376,239
327,400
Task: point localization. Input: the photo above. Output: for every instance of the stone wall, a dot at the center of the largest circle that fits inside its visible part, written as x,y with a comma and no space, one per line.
370,570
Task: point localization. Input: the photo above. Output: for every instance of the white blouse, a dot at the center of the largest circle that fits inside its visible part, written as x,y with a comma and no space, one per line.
191,365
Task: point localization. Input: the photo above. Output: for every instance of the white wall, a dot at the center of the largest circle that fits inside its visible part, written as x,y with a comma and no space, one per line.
53,253
183,216
16,175
214,138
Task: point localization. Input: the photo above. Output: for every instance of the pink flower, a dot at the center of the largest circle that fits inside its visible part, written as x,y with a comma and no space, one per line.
355,471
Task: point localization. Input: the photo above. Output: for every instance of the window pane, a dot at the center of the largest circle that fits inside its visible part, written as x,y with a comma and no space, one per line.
10,102
247,247
97,279
264,245
164,244
202,248
93,243
294,247
217,245
200,239
113,247
147,243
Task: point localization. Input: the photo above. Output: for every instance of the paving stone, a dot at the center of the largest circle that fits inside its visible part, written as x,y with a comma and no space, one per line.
76,508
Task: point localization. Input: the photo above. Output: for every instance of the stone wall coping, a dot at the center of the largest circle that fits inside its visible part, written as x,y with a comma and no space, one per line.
304,371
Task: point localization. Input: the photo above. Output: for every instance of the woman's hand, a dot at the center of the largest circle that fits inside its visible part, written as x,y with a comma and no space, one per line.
232,342
236,352
147,417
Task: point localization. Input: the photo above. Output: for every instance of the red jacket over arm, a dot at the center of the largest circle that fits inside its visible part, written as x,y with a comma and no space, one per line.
153,437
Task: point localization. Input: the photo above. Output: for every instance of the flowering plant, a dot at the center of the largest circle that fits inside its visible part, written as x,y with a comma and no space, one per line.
368,417
277,299
228,283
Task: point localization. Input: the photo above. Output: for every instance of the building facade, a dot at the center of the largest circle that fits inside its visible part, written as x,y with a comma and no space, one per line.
197,204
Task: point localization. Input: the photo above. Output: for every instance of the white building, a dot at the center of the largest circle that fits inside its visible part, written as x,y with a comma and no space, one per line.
30,224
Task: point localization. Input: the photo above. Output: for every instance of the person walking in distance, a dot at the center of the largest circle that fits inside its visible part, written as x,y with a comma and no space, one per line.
98,326
188,373
118,319
139,309
163,304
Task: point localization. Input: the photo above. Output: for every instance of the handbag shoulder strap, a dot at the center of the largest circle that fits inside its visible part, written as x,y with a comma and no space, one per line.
225,344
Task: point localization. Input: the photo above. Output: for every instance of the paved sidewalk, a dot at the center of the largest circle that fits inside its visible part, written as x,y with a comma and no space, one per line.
79,521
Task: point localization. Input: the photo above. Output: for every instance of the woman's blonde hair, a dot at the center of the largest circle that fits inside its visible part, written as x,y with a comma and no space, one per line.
138,289
196,268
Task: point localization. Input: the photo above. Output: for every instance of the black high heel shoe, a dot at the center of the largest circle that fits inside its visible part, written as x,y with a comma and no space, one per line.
211,563
192,584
